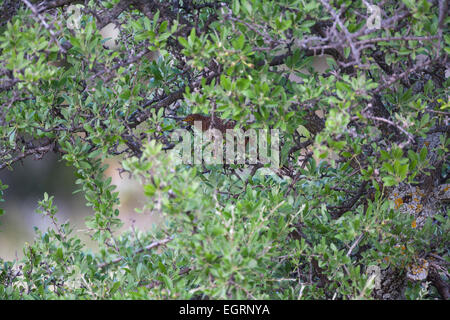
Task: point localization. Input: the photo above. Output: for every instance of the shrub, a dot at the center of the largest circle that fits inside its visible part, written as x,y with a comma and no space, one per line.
357,209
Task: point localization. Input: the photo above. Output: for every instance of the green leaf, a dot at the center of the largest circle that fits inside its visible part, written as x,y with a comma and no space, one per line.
389,181
183,42
114,288
235,7
163,27
423,154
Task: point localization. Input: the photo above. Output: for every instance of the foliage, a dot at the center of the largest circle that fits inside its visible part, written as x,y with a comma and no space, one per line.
374,122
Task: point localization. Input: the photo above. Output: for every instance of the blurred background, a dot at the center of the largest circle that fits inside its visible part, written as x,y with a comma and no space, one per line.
27,184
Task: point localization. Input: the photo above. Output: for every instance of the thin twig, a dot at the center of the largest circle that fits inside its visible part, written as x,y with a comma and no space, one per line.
45,24
353,246
151,246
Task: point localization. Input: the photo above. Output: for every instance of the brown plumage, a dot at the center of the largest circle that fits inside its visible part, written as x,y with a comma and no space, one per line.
222,127
219,124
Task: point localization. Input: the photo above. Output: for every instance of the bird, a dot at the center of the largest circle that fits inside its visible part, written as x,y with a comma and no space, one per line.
218,124
207,122
222,126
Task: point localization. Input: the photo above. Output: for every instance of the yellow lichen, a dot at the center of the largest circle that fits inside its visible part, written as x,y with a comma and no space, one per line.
398,202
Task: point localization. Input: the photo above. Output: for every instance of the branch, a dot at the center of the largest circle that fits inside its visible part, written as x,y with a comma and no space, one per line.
409,135
8,84
47,5
45,24
41,150
121,64
443,5
441,286
141,116
348,36
353,246
300,146
348,205
402,75
113,13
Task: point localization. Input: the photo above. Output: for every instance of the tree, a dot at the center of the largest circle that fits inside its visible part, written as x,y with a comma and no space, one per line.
358,207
